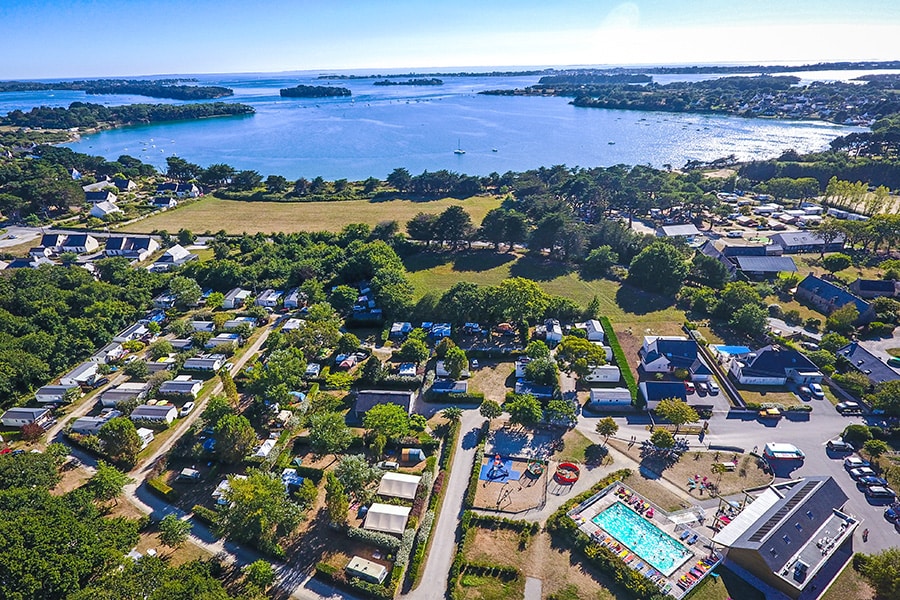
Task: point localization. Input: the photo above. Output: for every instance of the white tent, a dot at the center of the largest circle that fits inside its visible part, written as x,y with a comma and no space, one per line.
387,518
399,485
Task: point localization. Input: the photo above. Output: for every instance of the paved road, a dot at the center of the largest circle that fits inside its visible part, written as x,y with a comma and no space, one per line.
433,584
747,431
532,589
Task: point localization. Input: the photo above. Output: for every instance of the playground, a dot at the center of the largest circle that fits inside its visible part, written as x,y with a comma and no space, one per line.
510,484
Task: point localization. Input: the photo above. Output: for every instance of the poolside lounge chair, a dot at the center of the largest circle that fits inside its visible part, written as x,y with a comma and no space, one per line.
693,540
684,534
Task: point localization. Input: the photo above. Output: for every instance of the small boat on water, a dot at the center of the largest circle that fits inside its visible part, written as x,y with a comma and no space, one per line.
458,150
493,149
611,143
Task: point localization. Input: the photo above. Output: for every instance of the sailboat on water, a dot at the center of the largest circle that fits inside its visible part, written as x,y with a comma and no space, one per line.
459,149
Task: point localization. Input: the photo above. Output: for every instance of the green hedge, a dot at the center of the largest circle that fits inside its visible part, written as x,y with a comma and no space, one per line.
162,489
621,359
455,398
312,392
312,473
566,531
382,540
502,572
205,515
472,489
449,447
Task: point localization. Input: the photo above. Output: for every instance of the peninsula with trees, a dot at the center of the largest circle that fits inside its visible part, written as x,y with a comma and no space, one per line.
153,88
770,96
421,81
314,91
87,115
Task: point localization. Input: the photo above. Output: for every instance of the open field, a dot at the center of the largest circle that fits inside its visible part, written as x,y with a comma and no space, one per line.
437,272
234,216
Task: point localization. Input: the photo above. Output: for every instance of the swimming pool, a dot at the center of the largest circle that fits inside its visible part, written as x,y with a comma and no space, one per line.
732,350
642,537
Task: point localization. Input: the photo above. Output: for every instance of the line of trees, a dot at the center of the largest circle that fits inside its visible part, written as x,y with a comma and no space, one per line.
85,114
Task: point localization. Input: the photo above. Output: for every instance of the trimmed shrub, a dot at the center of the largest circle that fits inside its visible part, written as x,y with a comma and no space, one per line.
621,360
205,515
312,473
382,540
162,489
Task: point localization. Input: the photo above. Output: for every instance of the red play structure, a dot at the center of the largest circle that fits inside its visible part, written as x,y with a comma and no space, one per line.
567,473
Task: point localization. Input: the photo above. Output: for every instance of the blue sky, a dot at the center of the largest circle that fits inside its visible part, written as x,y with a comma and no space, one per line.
88,38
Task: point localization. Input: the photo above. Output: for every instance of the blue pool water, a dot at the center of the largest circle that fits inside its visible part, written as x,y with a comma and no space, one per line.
732,350
642,537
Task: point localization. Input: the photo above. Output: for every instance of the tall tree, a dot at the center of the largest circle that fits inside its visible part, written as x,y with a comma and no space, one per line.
676,412
523,409
120,440
390,420
258,510
328,433
235,438
336,500
107,483
173,532
658,268
606,427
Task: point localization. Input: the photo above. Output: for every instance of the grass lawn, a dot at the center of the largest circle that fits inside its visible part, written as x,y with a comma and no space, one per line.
762,394
849,585
437,272
893,351
235,216
575,444
727,586
477,587
812,262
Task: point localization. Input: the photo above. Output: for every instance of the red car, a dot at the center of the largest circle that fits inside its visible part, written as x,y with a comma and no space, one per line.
689,387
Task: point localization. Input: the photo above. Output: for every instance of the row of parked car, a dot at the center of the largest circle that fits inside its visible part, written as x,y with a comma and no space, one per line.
874,487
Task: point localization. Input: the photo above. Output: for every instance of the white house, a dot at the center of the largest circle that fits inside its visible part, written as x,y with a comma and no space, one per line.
603,373
441,371
109,353
173,257
53,394
80,243
80,375
223,339
19,417
133,247
236,298
654,392
207,326
553,331
91,425
366,570
268,298
158,413
665,354
292,324
213,362
293,298
182,385
123,393
774,365
164,202
609,398
594,330
146,436
238,323
101,210
134,332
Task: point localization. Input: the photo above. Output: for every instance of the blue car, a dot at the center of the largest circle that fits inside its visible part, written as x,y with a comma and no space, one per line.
869,480
892,514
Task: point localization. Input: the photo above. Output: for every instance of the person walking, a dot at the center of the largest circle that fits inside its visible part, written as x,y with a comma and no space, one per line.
866,535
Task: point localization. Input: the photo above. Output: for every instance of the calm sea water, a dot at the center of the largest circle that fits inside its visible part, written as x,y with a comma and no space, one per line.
381,128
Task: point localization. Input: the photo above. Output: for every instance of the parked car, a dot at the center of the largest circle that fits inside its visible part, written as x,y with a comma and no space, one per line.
98,382
861,472
855,462
894,362
879,491
735,234
892,513
849,408
186,409
839,446
805,392
871,480
702,388
388,465
816,390
689,387
713,387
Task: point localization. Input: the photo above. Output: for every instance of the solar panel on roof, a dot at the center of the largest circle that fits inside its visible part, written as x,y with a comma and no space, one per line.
775,519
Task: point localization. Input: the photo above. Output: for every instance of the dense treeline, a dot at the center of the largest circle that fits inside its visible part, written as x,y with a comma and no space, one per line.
85,114
760,96
52,317
431,81
30,189
314,91
154,88
712,69
591,78
456,74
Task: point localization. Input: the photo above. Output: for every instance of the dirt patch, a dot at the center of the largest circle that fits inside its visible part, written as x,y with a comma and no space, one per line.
72,478
186,553
511,496
499,546
559,569
492,378
747,473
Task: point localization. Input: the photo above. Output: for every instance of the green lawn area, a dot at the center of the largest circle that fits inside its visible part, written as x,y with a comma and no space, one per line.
235,216
849,585
437,272
727,586
476,587
574,446
812,262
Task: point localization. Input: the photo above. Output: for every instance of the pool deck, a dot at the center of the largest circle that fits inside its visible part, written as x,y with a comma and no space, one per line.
682,579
